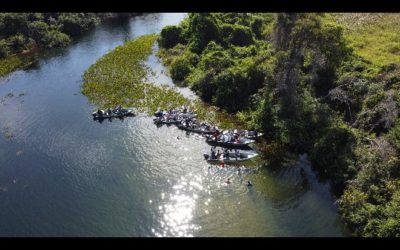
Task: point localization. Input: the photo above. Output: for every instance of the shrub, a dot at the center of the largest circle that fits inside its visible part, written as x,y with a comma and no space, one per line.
4,48
171,35
180,68
242,36
17,42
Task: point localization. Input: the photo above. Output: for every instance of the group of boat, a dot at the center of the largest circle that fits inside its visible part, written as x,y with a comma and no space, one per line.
235,144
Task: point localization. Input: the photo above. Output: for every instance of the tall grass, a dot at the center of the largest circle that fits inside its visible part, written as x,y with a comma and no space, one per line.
10,64
374,36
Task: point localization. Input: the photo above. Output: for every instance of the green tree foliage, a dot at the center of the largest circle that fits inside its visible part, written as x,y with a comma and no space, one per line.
24,31
76,23
170,36
17,42
4,48
202,30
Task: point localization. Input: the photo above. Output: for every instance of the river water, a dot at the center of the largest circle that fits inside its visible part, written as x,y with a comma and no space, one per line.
63,174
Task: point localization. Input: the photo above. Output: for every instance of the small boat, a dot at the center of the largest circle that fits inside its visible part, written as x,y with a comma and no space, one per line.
196,129
249,134
101,114
169,121
231,157
242,143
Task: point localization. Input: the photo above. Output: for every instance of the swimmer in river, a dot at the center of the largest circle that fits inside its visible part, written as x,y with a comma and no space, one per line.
228,181
249,184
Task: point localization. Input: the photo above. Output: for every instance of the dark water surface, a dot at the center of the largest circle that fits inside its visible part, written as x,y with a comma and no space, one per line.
63,174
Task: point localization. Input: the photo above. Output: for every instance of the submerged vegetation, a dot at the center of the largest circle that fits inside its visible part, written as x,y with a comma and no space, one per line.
322,84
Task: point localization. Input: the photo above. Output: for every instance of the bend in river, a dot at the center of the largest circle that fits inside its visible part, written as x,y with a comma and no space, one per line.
63,174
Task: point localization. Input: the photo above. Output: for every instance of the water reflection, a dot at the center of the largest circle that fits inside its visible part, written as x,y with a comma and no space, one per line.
178,211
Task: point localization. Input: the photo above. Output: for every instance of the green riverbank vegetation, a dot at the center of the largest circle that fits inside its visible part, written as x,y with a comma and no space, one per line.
24,33
322,84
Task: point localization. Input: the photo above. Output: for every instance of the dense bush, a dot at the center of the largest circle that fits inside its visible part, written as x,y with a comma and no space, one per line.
4,48
180,68
202,30
170,36
23,31
241,36
333,155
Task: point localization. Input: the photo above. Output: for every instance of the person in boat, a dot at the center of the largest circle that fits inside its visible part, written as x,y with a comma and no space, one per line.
226,154
213,153
118,108
237,140
237,154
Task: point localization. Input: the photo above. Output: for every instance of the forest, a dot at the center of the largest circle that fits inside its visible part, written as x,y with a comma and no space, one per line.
322,84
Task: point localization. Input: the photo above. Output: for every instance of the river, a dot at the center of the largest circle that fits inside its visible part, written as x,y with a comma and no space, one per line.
63,174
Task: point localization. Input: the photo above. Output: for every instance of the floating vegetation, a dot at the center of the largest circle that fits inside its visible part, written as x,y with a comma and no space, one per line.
13,62
120,77
9,64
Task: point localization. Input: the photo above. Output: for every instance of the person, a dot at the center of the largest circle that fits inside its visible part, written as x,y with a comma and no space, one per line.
228,181
237,154
109,111
213,153
249,184
226,153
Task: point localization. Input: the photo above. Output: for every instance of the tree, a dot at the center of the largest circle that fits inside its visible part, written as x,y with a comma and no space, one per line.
171,35
202,29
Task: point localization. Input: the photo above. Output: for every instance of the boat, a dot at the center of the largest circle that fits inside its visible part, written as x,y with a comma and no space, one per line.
101,114
196,129
162,120
231,157
241,143
249,134
176,112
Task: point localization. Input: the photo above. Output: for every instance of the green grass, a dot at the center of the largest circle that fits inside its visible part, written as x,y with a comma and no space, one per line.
9,64
374,36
